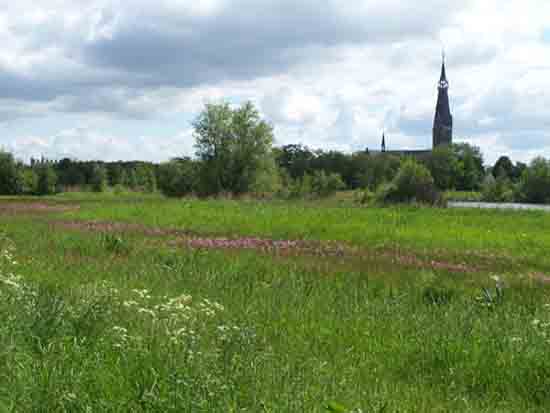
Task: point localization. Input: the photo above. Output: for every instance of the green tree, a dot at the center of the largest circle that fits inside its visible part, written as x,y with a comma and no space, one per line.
443,165
178,177
413,183
470,171
378,169
46,179
10,177
130,180
535,182
98,179
235,147
324,185
29,180
503,168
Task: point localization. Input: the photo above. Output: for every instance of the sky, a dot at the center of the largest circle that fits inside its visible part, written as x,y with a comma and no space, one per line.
123,80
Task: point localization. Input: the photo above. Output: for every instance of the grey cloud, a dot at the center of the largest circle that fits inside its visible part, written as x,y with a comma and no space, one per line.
247,39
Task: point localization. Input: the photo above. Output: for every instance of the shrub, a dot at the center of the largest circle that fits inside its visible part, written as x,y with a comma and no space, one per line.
324,185
413,183
497,190
535,182
177,178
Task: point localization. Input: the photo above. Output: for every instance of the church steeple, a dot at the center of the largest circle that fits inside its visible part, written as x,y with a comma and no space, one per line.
383,141
443,121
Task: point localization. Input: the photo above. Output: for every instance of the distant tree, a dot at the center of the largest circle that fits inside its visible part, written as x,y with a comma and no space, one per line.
503,168
29,180
535,182
324,185
131,179
98,179
46,179
234,146
178,178
443,164
295,159
150,181
10,177
378,169
470,170
115,173
413,183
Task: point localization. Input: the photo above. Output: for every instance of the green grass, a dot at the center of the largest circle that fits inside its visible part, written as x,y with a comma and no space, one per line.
521,235
294,334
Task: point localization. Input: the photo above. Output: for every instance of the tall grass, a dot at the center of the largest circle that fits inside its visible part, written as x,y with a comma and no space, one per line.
153,329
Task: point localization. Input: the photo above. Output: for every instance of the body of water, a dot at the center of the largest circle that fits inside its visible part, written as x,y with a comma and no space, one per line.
491,205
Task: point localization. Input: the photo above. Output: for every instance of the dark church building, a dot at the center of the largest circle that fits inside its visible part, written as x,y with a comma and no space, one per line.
442,132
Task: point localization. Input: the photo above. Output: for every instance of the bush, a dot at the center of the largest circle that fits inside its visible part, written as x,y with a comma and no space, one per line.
497,190
535,182
177,178
324,185
413,183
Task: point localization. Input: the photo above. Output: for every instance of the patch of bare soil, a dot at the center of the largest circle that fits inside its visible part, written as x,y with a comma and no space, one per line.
277,247
13,208
540,277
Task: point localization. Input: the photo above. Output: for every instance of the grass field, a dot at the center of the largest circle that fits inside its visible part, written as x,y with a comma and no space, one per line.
106,308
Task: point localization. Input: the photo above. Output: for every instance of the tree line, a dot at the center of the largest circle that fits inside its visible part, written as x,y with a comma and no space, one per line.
235,155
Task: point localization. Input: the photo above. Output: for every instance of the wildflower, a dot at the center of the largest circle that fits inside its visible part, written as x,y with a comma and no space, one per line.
147,311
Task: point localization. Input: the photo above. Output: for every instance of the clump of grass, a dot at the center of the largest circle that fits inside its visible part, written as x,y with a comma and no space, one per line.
115,244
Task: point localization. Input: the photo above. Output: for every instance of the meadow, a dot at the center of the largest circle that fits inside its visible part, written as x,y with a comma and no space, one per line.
110,304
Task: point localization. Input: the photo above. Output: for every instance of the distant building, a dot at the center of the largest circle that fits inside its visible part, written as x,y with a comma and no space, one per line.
443,120
442,133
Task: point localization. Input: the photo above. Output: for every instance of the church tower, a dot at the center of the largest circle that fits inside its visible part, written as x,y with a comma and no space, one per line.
443,121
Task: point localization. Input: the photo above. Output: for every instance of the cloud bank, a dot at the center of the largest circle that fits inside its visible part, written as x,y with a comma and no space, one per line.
121,80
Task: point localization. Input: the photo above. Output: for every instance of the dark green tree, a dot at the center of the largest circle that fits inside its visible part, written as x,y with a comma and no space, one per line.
10,176
46,179
98,179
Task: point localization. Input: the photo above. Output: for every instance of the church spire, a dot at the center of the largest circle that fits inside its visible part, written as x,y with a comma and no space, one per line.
443,120
443,78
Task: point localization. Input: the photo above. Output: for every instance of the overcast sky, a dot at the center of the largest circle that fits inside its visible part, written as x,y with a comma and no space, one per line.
105,79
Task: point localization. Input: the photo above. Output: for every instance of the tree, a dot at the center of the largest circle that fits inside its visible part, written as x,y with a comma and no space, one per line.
324,185
178,177
413,183
535,182
130,180
503,168
10,177
46,179
98,179
443,165
378,169
235,147
470,171
295,159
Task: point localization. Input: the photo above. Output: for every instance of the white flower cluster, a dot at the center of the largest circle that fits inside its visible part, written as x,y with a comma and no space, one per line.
182,319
